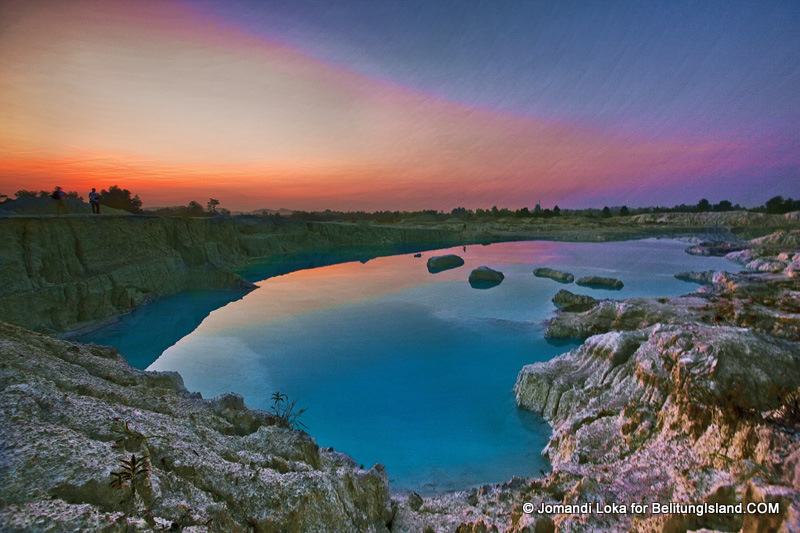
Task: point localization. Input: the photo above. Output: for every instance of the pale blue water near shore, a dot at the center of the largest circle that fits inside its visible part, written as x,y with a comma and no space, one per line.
399,366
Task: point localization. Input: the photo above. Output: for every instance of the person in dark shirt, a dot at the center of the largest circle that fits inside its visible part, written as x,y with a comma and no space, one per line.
61,204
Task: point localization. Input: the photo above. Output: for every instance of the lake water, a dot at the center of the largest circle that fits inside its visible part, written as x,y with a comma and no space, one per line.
396,365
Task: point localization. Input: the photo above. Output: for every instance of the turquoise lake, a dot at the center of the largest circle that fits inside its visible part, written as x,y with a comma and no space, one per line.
396,365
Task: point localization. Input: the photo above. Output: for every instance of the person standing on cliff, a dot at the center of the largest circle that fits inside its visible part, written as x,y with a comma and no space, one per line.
58,196
94,199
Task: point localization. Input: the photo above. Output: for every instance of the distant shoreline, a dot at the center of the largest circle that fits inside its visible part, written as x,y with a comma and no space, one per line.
68,272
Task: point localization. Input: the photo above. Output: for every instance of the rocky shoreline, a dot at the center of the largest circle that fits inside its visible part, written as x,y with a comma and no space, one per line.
688,400
74,414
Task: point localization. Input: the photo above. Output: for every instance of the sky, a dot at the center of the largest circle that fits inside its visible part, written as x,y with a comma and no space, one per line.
390,105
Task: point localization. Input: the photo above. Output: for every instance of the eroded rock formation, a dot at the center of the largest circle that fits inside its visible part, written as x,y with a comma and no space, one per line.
72,415
765,301
60,273
672,414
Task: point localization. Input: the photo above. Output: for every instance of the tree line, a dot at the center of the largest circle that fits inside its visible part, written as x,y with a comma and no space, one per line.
123,199
193,209
775,205
114,197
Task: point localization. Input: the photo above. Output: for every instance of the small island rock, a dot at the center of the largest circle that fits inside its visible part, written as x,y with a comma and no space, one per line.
598,282
557,275
484,277
444,262
574,303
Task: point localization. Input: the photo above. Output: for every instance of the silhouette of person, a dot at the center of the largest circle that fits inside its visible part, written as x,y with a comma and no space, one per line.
61,205
94,199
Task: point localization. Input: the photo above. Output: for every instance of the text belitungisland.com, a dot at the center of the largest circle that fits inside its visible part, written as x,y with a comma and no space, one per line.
655,508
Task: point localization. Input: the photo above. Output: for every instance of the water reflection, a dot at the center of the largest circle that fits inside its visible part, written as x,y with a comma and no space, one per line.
411,369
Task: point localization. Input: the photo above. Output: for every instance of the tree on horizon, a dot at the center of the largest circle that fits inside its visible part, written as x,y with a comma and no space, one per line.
117,198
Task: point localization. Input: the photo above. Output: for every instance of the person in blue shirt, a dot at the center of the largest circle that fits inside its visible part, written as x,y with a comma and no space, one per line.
94,199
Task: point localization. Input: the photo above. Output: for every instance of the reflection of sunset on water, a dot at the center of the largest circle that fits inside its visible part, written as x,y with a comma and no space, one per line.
318,288
389,357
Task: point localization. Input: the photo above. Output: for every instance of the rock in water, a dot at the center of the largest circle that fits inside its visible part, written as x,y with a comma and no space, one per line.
705,277
598,282
714,248
574,303
484,277
557,275
439,263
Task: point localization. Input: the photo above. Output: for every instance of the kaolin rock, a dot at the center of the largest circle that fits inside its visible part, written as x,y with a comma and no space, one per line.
484,277
721,366
705,277
598,282
439,263
557,275
70,414
575,303
672,407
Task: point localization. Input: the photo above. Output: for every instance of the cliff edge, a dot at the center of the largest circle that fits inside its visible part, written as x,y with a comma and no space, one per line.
60,273
90,444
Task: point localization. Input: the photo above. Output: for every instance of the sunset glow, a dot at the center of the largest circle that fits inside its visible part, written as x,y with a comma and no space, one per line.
182,101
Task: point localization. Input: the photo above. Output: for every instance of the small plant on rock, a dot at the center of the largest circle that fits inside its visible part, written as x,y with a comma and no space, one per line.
132,471
285,412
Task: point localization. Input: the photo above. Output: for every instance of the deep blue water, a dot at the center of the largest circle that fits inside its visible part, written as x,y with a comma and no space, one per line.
397,365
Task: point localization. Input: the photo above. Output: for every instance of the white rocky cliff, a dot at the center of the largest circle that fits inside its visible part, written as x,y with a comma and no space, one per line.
73,416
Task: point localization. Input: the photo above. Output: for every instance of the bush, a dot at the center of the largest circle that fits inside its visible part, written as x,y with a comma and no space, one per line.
284,411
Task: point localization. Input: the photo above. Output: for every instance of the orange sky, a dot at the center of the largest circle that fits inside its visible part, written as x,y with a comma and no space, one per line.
169,103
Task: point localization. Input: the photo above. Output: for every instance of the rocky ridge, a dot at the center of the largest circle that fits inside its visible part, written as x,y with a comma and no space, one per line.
72,415
672,414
